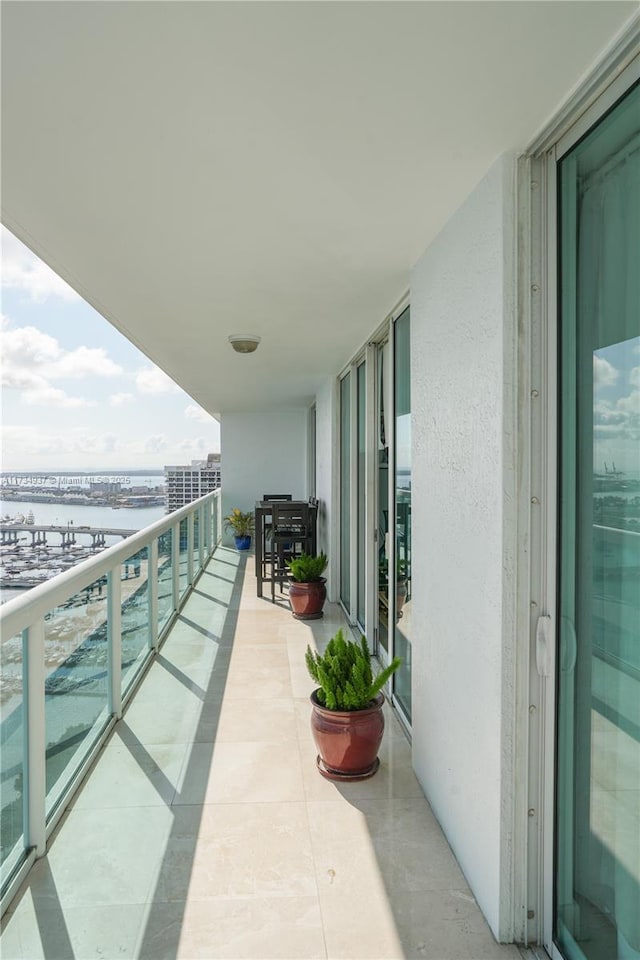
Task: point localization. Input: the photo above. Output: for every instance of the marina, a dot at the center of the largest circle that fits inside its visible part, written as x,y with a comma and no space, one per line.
25,564
46,539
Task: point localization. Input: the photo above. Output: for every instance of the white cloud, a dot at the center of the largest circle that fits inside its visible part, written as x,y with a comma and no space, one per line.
621,420
194,412
86,442
22,270
195,448
156,444
154,380
31,359
604,373
46,395
630,405
29,441
26,347
120,399
634,376
82,362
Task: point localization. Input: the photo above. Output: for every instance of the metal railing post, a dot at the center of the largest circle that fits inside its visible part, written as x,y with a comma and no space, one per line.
190,536
203,542
114,641
35,786
152,581
175,565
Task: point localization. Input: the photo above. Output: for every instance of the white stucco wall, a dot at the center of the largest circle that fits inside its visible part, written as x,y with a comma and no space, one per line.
327,471
263,453
462,341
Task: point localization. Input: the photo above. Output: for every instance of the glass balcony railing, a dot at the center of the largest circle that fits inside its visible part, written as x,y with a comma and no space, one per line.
71,653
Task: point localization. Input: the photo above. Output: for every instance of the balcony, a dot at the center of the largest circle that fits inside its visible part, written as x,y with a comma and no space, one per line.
204,830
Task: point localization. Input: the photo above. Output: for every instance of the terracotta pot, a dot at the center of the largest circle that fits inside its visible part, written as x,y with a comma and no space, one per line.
347,740
307,599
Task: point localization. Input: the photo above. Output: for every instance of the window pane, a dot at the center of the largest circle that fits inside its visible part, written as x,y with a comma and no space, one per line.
12,756
196,543
165,579
76,683
184,557
135,615
598,790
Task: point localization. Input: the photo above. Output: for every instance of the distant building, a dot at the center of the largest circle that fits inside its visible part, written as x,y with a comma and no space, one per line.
184,484
104,486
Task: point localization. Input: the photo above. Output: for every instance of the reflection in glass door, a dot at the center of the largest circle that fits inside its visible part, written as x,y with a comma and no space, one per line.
345,491
361,442
597,886
402,559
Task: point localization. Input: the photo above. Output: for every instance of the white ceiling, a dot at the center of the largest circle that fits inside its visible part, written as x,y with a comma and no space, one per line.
199,169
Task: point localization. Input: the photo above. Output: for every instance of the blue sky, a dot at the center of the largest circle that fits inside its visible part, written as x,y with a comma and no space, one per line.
75,393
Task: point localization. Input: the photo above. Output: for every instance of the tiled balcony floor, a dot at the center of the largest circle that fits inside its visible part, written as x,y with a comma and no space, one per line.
205,830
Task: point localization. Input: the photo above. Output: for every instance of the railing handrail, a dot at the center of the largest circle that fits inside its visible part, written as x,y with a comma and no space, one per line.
601,526
18,614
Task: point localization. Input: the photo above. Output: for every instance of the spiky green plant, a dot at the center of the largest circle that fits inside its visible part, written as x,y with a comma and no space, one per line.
305,568
344,675
241,523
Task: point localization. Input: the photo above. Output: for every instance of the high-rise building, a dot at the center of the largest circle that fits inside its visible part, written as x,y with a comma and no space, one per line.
186,483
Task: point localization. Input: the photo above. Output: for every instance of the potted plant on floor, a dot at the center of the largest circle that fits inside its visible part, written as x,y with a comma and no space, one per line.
242,526
347,721
307,588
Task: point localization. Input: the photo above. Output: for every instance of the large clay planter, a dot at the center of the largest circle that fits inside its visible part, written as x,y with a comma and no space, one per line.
347,741
307,599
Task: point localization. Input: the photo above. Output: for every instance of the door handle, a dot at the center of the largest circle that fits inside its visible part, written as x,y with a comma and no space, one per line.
544,646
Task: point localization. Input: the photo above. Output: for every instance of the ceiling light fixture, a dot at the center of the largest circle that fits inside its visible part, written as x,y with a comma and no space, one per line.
246,344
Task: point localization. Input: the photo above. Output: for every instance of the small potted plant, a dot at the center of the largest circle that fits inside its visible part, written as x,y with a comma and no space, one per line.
307,589
347,721
242,526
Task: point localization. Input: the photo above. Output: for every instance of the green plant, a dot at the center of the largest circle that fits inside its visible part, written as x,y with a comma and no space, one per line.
305,568
344,675
402,569
241,523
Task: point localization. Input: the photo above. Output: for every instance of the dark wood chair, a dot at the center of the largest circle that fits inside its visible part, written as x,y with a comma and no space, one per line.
271,498
291,535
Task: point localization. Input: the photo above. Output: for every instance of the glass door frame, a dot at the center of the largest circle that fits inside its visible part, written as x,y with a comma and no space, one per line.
351,370
543,517
368,355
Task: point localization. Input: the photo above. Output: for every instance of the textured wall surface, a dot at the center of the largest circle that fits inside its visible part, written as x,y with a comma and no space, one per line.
462,335
263,453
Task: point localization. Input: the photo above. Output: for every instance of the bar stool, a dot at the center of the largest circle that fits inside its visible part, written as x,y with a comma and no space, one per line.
291,536
266,552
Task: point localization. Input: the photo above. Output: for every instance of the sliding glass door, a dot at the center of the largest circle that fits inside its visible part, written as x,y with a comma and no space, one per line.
597,876
383,537
375,510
